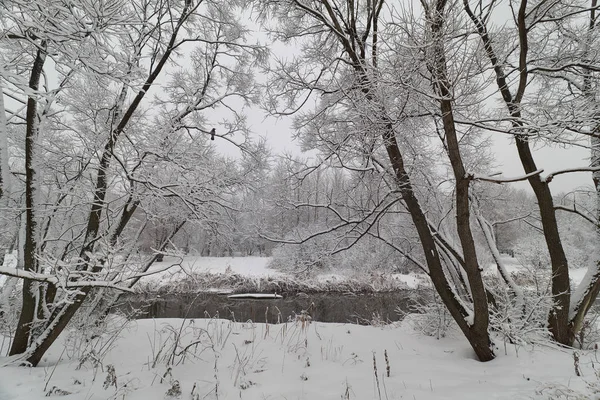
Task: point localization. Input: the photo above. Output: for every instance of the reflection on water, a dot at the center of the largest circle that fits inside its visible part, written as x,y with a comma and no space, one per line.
324,307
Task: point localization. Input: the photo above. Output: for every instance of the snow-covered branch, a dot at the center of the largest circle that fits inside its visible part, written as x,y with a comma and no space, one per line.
55,281
575,211
484,178
551,176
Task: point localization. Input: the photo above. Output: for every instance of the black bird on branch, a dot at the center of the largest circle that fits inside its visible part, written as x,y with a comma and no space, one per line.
212,134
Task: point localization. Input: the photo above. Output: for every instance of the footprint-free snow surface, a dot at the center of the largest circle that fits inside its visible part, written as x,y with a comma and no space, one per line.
218,359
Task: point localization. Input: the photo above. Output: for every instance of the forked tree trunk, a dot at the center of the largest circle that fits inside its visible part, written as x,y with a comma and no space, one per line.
476,329
477,335
558,319
474,324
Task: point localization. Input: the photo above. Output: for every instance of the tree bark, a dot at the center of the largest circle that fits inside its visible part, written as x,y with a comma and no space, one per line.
30,298
478,339
441,83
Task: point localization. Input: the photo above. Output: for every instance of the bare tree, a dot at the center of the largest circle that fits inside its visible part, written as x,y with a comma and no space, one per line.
102,144
387,84
358,121
547,80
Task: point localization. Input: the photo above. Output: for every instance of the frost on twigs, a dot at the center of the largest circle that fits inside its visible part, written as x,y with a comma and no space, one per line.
554,391
111,377
56,391
429,316
520,322
79,235
195,282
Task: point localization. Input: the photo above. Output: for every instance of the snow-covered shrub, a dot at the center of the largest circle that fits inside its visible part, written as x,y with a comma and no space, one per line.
10,298
519,318
319,254
589,335
10,303
532,252
370,254
90,339
553,391
578,239
303,259
430,316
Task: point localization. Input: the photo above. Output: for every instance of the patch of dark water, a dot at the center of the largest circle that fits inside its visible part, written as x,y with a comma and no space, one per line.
363,308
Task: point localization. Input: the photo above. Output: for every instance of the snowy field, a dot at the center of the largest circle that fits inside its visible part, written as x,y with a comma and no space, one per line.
218,359
180,268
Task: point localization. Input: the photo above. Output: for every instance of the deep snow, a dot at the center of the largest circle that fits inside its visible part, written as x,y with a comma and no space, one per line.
296,360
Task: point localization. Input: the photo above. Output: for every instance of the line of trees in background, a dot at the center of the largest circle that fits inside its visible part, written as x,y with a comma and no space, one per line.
107,163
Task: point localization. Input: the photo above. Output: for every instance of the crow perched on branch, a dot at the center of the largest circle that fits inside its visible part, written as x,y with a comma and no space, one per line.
212,134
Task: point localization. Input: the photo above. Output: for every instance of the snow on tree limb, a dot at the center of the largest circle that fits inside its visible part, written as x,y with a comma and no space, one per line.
479,177
548,178
56,281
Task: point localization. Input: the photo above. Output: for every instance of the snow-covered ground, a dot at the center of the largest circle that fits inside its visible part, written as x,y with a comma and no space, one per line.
297,360
513,265
258,267
249,267
182,267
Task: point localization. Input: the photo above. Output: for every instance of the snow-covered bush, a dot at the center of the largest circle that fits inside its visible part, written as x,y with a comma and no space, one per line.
589,336
305,258
532,251
370,255
10,303
90,339
429,316
519,318
319,254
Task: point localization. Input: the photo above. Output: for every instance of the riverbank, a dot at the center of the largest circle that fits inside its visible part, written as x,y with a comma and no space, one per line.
299,360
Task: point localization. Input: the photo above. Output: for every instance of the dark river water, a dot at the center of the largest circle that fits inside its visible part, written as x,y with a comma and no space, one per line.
324,307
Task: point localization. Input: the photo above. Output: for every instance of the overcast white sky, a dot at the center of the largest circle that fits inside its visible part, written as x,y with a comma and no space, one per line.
551,159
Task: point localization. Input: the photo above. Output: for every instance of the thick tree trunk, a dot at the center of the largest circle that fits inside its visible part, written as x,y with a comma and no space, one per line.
4,172
442,86
478,339
28,309
558,320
